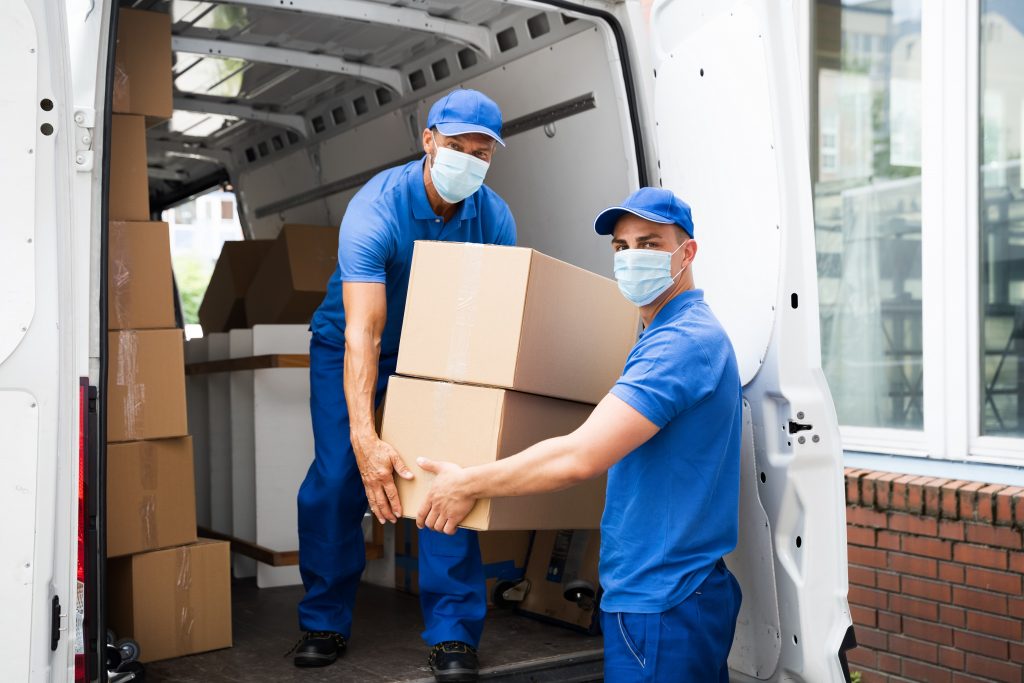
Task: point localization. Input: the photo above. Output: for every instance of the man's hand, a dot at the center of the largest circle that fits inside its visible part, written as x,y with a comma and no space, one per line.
377,461
448,501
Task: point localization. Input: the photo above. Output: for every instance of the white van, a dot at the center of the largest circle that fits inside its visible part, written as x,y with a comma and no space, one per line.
701,96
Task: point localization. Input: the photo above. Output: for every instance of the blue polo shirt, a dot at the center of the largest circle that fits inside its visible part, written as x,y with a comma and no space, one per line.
377,233
672,508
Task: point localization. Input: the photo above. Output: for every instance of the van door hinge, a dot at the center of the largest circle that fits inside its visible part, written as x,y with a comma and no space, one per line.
85,125
55,616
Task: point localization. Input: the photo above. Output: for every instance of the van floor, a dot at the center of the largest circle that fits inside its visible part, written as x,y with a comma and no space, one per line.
385,644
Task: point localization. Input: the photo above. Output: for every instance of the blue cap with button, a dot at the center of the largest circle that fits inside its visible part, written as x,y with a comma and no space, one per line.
653,203
466,111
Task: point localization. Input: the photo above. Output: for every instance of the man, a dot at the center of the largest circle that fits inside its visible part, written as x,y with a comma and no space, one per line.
668,433
353,351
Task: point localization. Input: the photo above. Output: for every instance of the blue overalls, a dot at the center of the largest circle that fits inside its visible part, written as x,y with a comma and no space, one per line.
375,245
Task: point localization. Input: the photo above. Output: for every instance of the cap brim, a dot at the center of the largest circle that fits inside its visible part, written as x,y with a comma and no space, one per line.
605,222
451,129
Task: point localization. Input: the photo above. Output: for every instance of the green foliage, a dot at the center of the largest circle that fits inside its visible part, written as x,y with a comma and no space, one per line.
193,276
854,677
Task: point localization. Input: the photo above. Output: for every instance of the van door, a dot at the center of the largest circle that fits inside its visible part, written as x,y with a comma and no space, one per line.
731,139
40,393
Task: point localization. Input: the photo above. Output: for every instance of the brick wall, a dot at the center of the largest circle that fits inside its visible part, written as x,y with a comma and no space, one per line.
936,570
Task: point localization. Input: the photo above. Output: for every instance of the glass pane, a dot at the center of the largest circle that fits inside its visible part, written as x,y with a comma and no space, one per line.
866,165
1002,218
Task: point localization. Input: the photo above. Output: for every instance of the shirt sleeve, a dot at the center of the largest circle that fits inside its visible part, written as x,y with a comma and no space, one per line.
364,245
666,374
506,235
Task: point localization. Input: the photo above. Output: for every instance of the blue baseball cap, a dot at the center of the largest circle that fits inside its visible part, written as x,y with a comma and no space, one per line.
653,203
466,111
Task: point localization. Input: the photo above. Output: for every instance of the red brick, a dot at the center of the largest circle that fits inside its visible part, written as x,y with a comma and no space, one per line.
985,601
909,647
887,621
915,495
984,556
873,677
868,486
952,616
861,576
929,590
928,547
910,564
987,502
1004,504
887,581
1018,507
1017,652
951,658
890,663
1016,607
913,607
888,540
951,530
868,597
972,642
864,616
926,630
864,516
967,499
959,677
1001,536
873,639
900,489
993,580
859,535
950,509
1007,672
862,656
1016,562
867,557
1000,627
913,524
919,671
954,573
932,491
852,477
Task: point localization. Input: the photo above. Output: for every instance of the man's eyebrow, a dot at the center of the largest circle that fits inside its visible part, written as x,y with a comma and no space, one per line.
652,236
618,240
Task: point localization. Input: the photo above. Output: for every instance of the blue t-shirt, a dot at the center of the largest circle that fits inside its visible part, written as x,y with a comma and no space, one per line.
377,233
672,508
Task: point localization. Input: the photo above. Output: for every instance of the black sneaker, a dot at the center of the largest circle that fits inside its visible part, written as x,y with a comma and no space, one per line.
318,648
454,661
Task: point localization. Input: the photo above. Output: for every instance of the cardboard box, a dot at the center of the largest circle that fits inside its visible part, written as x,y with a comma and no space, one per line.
292,280
514,318
503,553
129,179
142,65
471,425
146,385
151,500
140,284
223,306
557,559
174,602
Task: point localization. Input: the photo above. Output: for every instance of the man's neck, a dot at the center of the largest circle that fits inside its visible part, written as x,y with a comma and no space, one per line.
439,205
651,310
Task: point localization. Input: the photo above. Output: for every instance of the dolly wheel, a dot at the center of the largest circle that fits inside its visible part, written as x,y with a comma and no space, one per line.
129,650
580,592
509,593
111,636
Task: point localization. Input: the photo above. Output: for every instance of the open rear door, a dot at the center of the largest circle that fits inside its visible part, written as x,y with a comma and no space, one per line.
732,140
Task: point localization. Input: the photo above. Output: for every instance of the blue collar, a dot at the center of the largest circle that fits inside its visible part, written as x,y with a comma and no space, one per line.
674,306
421,208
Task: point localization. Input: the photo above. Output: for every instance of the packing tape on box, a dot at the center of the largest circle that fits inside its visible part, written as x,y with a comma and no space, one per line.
147,515
147,505
122,93
128,377
466,303
183,610
120,278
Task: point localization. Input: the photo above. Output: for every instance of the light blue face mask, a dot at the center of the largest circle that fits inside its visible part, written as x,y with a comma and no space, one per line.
456,175
643,274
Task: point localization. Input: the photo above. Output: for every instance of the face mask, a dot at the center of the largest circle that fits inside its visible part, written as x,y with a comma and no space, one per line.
456,175
643,274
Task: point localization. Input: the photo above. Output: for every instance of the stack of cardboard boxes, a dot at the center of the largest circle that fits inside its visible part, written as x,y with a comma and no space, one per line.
167,590
503,347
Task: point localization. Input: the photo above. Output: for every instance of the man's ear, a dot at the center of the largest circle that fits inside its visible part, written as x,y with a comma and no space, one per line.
425,138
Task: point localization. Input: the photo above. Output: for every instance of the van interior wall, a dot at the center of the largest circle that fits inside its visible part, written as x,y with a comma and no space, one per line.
554,185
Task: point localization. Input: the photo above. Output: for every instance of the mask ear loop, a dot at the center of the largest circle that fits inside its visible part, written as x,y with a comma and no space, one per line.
684,265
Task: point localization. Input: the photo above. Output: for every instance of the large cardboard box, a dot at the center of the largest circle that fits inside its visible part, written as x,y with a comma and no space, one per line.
146,385
174,602
140,285
142,64
223,306
557,560
129,179
292,280
514,318
151,500
471,425
503,553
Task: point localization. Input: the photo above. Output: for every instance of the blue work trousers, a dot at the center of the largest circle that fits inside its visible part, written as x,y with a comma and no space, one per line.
689,642
332,502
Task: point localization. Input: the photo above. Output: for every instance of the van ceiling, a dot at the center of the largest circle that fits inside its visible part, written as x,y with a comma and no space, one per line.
257,78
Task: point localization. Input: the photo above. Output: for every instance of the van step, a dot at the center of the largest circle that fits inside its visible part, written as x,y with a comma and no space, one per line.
579,667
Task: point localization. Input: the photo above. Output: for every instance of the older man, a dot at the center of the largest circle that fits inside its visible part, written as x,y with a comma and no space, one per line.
668,433
354,350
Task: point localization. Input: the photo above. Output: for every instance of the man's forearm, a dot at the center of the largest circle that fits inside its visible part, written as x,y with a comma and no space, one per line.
362,354
550,465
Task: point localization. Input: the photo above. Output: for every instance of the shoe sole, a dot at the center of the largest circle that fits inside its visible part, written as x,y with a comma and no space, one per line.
457,675
309,661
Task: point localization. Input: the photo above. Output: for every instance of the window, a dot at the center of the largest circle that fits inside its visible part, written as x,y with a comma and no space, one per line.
867,207
1001,220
